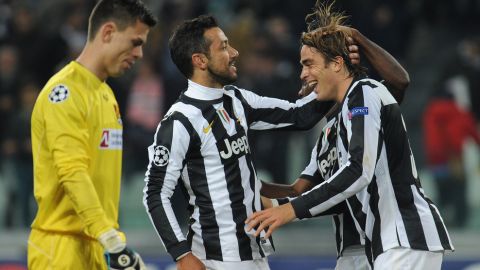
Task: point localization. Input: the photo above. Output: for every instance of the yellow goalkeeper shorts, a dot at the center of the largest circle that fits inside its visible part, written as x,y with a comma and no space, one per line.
48,251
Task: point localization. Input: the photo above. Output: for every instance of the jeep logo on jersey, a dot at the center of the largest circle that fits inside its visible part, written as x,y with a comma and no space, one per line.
111,139
327,161
161,156
234,146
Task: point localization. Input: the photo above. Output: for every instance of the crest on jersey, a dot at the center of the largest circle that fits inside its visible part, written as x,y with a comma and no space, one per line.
224,115
161,156
59,94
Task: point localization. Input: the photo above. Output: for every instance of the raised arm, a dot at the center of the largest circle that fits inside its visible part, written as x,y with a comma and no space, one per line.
389,69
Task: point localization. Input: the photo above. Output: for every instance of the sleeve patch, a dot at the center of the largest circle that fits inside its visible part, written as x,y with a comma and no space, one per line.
357,111
161,156
59,94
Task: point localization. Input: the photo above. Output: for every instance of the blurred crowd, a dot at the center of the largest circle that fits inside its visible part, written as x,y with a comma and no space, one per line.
37,37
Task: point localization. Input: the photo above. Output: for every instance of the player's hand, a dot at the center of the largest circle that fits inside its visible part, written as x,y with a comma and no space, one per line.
353,51
306,89
125,259
117,254
271,218
190,262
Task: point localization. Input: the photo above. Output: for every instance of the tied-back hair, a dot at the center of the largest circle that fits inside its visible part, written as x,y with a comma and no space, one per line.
325,35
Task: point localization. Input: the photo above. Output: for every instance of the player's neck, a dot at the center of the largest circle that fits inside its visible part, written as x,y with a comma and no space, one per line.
91,60
205,81
343,88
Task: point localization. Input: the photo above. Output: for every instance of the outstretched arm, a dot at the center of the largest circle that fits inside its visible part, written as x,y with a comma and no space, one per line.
272,190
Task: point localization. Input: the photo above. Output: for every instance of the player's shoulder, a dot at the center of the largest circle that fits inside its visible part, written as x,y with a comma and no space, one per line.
366,87
60,86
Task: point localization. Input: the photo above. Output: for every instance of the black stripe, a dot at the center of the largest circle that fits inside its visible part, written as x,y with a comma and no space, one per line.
351,237
156,176
377,247
400,167
199,184
338,236
356,211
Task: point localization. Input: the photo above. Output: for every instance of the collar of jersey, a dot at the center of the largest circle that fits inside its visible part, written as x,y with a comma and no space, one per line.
197,91
91,78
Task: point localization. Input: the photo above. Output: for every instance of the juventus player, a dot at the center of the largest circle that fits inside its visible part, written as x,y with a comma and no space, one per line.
203,141
377,175
323,162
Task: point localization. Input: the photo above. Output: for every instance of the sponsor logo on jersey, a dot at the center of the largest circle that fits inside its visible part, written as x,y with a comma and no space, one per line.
111,139
161,155
327,162
357,111
235,146
59,94
209,127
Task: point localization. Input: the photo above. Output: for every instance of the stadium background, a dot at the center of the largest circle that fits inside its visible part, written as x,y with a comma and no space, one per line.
438,42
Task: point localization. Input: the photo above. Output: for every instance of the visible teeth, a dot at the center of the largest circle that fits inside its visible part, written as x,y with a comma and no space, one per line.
312,84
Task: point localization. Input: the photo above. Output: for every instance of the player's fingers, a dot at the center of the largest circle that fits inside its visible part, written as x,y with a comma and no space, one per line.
353,48
269,232
260,228
354,58
350,40
252,217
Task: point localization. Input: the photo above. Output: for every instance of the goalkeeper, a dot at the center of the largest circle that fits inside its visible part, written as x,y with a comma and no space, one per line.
77,148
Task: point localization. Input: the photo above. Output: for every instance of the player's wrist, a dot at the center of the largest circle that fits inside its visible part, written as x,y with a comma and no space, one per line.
111,241
183,256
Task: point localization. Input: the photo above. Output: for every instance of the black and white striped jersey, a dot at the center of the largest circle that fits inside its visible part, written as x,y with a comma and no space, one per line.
378,176
203,141
323,164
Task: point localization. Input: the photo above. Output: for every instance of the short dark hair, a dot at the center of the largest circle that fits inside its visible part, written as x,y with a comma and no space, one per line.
123,12
187,39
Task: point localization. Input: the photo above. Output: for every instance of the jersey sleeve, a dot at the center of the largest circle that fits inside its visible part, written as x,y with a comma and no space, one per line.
67,137
166,155
361,115
272,113
311,172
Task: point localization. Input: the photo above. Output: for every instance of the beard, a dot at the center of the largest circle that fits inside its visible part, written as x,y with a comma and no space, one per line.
224,78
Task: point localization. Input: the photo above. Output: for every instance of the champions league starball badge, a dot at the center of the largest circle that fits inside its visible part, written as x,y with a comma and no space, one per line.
58,94
161,156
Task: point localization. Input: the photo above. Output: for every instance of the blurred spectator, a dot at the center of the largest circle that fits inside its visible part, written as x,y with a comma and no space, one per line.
39,52
145,107
23,155
8,86
446,128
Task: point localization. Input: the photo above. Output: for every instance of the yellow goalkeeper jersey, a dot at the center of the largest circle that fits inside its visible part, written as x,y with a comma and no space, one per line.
77,151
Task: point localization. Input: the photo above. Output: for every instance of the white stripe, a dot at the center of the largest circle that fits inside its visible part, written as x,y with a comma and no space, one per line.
172,174
426,218
261,125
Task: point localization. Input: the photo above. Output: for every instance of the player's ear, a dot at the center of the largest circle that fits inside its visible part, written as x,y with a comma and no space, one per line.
107,30
337,63
200,61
